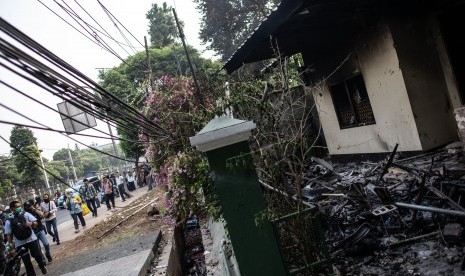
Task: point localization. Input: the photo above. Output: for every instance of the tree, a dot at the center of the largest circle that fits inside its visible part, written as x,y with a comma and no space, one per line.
27,165
9,174
20,138
129,81
26,155
59,169
162,26
227,23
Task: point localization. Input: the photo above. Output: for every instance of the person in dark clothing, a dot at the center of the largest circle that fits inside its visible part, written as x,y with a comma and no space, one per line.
34,209
89,194
108,191
16,229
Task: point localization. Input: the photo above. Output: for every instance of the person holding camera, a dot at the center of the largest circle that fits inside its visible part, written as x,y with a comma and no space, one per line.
49,209
39,229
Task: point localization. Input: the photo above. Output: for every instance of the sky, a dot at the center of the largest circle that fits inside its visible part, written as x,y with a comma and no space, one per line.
35,20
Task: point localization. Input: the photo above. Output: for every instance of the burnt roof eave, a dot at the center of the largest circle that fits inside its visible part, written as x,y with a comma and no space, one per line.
243,54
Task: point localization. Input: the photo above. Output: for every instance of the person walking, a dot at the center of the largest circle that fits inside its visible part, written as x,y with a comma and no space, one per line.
39,230
120,183
49,209
18,231
73,204
107,187
130,179
89,194
150,180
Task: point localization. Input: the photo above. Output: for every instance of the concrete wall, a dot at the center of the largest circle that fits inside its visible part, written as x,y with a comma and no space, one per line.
424,78
374,56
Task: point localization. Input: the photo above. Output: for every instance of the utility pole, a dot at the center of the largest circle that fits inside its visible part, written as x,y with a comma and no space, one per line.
181,35
43,169
148,63
72,164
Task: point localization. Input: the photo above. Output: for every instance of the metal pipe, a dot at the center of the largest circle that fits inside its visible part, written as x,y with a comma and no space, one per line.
429,209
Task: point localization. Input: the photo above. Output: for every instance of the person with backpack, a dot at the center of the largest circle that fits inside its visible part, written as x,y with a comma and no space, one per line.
89,194
39,230
49,209
73,204
19,230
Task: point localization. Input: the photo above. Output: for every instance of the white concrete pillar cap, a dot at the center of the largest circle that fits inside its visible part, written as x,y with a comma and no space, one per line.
222,131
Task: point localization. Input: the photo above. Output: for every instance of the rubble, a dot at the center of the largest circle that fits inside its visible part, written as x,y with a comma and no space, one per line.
395,217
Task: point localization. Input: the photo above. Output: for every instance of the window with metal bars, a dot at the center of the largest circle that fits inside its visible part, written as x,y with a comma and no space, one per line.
350,99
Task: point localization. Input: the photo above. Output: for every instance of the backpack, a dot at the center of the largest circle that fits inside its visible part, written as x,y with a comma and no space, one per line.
19,228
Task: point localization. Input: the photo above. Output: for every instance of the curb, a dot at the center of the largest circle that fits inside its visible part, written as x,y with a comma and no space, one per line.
146,267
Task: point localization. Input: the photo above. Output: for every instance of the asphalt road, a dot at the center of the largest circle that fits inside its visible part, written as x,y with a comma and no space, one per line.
63,216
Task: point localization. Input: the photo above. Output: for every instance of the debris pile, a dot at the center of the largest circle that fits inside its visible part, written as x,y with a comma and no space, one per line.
396,217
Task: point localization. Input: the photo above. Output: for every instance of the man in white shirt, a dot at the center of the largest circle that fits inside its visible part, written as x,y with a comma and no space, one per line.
120,183
49,209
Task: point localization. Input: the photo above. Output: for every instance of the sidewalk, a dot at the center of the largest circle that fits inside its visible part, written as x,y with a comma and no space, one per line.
128,257
66,229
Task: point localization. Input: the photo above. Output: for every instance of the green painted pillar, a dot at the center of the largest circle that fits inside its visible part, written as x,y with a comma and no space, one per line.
256,247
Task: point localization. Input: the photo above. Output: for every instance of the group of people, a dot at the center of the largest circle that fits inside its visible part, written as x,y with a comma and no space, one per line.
26,224
23,225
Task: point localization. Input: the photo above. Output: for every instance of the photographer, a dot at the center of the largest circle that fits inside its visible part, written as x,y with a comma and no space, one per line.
39,229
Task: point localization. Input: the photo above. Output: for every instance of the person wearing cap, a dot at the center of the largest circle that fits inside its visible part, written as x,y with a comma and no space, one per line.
73,204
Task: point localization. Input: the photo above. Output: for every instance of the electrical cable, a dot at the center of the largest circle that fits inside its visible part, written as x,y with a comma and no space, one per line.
93,28
93,100
62,114
91,39
119,30
90,111
68,117
37,163
75,140
103,7
98,38
109,36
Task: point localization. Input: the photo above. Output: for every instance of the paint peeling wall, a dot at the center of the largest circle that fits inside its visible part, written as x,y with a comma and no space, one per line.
375,57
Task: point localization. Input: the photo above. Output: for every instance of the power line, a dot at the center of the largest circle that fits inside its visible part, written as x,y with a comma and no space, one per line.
36,163
130,45
66,89
95,35
91,39
75,140
103,7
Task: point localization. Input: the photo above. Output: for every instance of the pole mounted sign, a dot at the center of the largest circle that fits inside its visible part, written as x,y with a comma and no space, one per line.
74,119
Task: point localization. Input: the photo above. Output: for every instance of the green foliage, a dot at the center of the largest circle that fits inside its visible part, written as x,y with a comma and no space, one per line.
28,166
59,169
129,80
9,174
20,138
26,155
227,23
162,26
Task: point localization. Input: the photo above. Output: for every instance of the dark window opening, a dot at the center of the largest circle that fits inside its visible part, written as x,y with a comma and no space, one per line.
352,104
